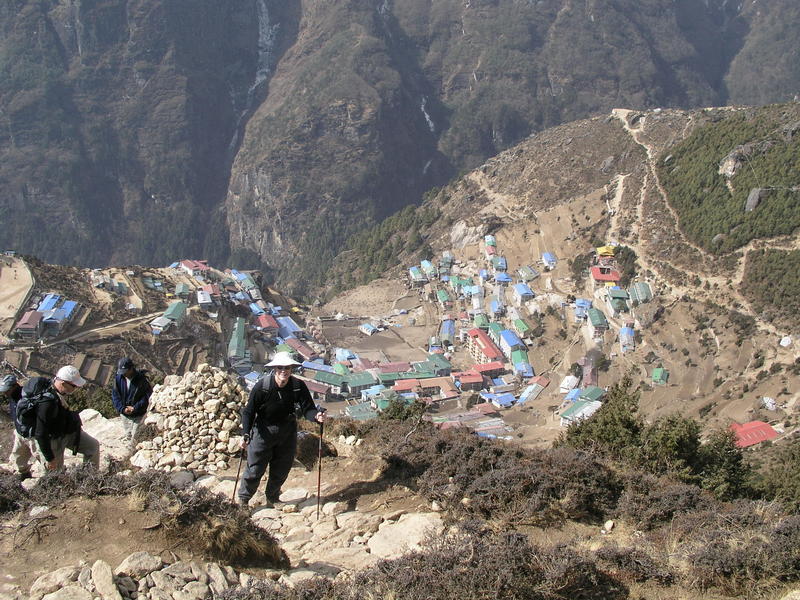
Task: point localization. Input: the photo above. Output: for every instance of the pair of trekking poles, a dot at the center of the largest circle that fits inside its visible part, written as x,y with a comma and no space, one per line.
319,467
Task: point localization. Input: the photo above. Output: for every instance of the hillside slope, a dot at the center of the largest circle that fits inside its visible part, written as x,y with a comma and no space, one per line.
135,131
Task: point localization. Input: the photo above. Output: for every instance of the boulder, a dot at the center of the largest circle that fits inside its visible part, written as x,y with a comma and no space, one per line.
70,592
393,539
46,584
103,580
139,564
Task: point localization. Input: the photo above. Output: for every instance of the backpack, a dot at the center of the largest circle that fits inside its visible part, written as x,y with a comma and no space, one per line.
34,392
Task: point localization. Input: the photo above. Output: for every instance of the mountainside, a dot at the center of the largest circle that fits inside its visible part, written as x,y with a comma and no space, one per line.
133,131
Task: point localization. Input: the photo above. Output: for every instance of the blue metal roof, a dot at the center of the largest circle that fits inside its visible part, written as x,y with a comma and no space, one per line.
256,309
69,307
49,302
583,303
523,369
313,365
522,289
448,327
503,278
511,338
573,394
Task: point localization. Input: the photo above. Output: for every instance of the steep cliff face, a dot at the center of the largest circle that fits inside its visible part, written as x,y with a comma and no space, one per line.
115,124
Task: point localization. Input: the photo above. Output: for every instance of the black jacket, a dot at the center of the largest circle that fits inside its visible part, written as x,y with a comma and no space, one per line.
53,420
267,405
137,395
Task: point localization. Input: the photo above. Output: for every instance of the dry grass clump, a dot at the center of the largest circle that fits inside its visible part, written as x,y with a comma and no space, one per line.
634,564
211,525
12,494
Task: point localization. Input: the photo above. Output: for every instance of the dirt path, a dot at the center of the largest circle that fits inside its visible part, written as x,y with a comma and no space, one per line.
709,281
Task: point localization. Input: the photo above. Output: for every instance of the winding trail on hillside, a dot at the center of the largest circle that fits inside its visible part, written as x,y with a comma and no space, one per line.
736,278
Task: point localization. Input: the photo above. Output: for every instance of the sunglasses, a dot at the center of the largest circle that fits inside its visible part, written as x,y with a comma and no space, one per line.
290,369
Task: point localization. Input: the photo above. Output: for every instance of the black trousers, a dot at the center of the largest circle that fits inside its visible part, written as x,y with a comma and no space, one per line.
272,446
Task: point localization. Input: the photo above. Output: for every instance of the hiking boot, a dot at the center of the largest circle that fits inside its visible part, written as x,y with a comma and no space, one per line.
23,476
276,504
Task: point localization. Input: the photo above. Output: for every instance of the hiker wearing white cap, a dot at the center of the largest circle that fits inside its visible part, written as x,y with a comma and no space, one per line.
270,427
22,450
52,424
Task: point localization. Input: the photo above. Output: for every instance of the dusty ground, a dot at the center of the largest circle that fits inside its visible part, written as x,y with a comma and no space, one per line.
375,299
16,282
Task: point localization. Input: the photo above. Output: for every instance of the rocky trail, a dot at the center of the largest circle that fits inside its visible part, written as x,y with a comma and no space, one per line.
115,547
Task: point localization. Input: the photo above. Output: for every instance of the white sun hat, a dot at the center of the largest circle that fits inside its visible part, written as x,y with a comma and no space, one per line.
71,375
283,359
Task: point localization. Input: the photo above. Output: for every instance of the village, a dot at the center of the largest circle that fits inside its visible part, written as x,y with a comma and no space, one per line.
463,336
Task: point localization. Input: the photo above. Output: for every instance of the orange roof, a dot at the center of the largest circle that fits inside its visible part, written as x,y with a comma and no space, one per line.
490,366
406,385
753,433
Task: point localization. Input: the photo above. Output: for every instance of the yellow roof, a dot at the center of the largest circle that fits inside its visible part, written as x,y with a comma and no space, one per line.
607,250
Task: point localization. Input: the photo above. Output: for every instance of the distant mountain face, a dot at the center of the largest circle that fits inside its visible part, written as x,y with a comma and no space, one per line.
266,132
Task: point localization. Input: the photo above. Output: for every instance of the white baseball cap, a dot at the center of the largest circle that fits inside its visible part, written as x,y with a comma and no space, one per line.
71,375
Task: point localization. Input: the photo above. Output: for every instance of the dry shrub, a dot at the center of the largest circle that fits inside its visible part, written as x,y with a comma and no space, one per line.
471,563
308,449
146,432
494,480
12,494
741,548
650,501
634,565
213,527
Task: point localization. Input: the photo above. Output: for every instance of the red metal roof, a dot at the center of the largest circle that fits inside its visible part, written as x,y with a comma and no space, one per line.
468,377
484,408
406,385
542,381
30,320
266,322
753,433
604,274
316,386
394,367
485,344
490,366
195,265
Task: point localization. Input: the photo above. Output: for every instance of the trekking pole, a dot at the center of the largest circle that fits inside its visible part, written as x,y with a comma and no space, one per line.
319,466
238,471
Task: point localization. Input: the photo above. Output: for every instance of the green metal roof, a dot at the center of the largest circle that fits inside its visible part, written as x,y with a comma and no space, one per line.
660,375
341,369
182,288
439,362
521,326
481,321
237,344
389,378
619,305
592,393
443,296
641,292
597,318
176,311
495,328
576,408
329,378
360,379
622,294
519,356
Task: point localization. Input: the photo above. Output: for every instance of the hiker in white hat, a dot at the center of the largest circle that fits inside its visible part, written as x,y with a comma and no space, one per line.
269,423
43,413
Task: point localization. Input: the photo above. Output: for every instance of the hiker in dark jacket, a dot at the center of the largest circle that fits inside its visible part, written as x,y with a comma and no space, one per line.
131,397
270,427
58,427
23,450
